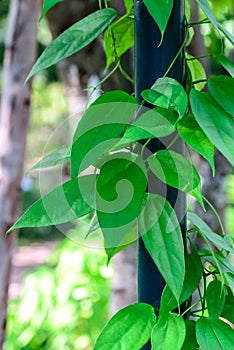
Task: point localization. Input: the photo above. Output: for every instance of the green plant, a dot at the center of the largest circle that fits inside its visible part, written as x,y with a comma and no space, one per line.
64,304
117,195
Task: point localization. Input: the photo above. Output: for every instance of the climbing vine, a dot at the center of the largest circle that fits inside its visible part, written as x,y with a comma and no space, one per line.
116,196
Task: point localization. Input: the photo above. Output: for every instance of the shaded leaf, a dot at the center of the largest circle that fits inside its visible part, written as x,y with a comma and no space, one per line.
59,156
213,333
228,310
221,88
190,131
213,237
74,39
215,298
129,329
167,93
175,170
191,282
190,342
63,204
160,10
162,238
169,334
215,122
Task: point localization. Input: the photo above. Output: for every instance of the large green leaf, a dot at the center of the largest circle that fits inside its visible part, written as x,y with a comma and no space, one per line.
169,334
118,38
215,298
47,5
102,125
129,329
154,123
167,93
162,238
216,239
59,156
190,342
175,170
74,39
160,10
121,187
226,63
190,131
215,122
221,88
191,282
197,71
213,333
63,204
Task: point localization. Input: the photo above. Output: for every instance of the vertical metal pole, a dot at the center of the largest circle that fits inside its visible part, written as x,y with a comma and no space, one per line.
151,62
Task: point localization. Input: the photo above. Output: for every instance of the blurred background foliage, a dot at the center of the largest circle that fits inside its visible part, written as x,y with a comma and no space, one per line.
64,303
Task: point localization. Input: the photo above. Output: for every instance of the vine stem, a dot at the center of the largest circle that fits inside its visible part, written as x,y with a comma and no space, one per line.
177,55
216,214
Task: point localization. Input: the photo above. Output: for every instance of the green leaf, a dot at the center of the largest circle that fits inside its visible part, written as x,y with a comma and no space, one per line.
226,33
213,333
191,282
128,5
118,38
63,204
228,310
213,237
175,170
221,88
162,238
59,156
160,10
197,71
152,124
190,131
190,342
121,187
187,10
226,63
47,5
102,126
215,298
167,93
74,39
169,334
129,329
204,5
215,122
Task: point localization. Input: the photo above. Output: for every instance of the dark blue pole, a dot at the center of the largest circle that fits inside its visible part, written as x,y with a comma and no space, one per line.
151,62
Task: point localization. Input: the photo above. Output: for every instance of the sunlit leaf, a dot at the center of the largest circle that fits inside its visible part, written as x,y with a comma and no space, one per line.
128,4
169,334
162,238
212,333
197,72
63,204
215,122
129,329
167,93
175,170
